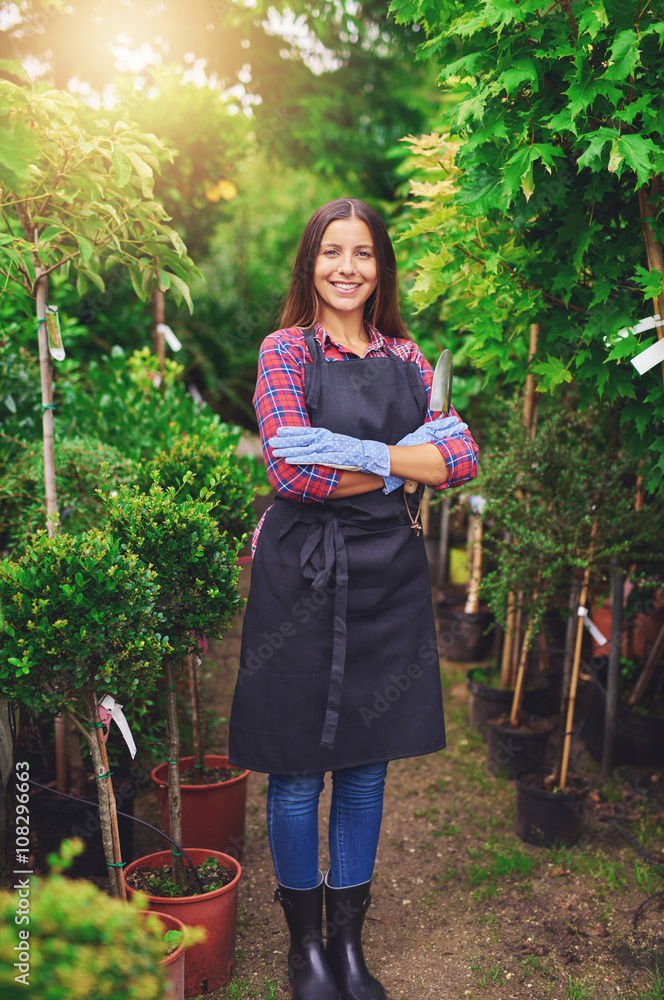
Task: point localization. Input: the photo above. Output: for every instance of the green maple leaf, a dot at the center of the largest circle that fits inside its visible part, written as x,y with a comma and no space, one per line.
625,55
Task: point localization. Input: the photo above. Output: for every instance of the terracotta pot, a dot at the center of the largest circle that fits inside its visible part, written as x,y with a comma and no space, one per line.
545,818
209,964
212,815
175,962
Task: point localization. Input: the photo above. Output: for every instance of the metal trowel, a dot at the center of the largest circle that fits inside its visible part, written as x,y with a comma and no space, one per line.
441,396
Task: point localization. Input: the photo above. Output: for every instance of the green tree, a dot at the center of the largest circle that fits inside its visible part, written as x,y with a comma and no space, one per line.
531,199
75,199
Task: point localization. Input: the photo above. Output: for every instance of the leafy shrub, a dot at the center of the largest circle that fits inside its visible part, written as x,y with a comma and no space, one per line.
229,477
78,619
177,535
81,464
83,945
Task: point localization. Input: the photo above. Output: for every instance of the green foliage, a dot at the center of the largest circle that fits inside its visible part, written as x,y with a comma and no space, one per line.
229,477
527,199
83,945
78,618
130,410
177,535
82,464
83,199
544,495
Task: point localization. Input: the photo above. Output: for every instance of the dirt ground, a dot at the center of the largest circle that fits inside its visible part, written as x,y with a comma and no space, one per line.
461,907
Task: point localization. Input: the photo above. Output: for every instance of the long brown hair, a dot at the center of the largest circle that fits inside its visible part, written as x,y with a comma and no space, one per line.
381,308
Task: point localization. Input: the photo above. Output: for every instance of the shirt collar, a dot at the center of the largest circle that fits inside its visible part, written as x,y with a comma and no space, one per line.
376,339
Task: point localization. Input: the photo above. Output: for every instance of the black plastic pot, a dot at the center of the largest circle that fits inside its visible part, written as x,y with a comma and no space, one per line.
510,751
639,738
487,701
461,636
545,818
54,819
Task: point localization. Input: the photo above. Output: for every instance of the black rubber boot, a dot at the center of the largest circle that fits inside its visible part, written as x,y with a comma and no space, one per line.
345,910
308,969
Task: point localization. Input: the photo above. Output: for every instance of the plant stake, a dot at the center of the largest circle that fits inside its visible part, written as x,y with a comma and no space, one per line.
582,611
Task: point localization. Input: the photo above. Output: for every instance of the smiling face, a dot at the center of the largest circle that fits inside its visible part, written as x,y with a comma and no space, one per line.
346,271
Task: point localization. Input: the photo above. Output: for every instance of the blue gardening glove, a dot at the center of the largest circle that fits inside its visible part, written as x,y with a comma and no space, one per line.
433,431
318,446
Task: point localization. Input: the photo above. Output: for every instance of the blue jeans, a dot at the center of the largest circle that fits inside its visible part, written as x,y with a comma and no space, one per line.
355,816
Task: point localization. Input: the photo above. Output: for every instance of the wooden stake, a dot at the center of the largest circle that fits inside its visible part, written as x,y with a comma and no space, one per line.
508,640
475,546
107,809
520,685
648,670
516,640
567,740
46,374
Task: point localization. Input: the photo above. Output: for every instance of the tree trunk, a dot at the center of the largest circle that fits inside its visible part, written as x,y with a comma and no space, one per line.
475,558
108,816
614,669
196,722
520,685
174,797
157,335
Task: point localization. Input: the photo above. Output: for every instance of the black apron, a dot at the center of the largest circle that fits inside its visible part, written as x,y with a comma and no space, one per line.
339,661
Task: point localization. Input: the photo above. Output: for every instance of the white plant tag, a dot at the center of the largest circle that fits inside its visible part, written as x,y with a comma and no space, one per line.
169,336
600,639
55,345
647,359
115,711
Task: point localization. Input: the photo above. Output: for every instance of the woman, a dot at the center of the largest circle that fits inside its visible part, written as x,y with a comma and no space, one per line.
339,666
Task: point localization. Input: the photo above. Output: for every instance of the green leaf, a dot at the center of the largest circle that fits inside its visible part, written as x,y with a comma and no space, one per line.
144,173
624,56
592,20
121,166
50,232
85,246
183,288
551,372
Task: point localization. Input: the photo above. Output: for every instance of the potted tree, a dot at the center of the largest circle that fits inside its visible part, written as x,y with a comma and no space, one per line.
79,622
176,533
213,795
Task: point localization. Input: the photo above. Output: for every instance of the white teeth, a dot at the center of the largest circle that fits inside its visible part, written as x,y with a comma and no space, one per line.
338,284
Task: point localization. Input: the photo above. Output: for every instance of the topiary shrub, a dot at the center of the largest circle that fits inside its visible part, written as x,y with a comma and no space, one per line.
79,944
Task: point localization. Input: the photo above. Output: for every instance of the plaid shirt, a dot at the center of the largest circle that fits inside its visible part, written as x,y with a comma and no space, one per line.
279,401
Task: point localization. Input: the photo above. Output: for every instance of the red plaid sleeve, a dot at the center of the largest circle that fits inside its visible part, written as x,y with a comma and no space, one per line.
279,402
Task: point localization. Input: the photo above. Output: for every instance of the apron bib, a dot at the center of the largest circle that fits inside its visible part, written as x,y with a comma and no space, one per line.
339,660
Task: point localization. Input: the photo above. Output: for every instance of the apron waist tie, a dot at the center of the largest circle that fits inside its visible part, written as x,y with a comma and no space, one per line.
324,551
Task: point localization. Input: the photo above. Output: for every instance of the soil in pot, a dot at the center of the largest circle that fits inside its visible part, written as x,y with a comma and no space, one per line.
210,775
209,964
511,750
545,815
213,813
488,701
159,881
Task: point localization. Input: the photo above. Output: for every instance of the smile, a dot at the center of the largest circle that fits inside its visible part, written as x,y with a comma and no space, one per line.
344,286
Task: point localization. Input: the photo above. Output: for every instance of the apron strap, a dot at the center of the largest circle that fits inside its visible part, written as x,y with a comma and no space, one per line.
318,358
324,552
